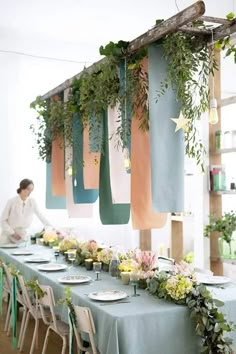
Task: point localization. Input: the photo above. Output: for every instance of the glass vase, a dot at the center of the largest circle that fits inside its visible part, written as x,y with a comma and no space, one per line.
227,250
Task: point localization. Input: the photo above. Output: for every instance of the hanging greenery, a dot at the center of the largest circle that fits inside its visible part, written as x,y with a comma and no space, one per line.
226,43
54,119
190,63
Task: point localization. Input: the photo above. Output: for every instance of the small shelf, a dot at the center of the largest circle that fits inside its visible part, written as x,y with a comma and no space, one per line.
223,151
233,192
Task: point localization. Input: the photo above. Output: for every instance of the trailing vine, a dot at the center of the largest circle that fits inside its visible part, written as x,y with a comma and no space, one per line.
190,62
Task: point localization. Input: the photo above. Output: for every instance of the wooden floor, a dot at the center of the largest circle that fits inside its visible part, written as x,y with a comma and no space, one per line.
54,343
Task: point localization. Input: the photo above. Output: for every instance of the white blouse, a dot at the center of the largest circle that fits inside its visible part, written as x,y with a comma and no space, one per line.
19,214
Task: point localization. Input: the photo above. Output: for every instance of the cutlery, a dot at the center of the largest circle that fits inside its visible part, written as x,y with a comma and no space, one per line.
114,303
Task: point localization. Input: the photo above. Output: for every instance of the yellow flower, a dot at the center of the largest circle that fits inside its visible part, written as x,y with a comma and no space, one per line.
179,286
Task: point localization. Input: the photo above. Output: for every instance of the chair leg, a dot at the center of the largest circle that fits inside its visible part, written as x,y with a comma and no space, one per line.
36,327
46,341
24,331
8,315
63,351
22,326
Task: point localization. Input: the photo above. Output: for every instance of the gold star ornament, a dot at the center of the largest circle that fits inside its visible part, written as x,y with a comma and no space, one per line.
181,123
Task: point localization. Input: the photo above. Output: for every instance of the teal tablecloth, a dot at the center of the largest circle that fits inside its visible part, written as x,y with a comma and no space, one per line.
146,325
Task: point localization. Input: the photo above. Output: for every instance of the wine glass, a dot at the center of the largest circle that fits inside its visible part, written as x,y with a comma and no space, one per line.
56,252
71,257
97,267
134,279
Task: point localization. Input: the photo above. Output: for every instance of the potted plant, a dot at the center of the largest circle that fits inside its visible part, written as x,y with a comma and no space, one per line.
226,225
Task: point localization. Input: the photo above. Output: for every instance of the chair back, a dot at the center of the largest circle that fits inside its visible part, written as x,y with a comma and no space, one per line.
9,278
25,293
85,324
48,301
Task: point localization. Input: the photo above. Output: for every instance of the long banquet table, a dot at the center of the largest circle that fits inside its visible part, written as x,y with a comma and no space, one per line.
145,325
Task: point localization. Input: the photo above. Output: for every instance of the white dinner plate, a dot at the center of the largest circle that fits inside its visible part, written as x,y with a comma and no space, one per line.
9,245
52,267
74,279
212,279
109,295
22,253
37,259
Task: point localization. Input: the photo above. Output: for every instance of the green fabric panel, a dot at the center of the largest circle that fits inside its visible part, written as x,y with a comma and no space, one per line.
14,312
52,202
110,214
80,195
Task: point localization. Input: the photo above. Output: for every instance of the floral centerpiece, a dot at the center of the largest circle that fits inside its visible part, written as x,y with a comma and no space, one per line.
182,288
50,237
68,243
105,256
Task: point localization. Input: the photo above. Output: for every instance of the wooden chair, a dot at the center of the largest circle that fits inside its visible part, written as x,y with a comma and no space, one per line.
7,291
84,324
56,325
34,312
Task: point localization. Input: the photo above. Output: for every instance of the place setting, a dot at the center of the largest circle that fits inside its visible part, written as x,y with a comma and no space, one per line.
109,297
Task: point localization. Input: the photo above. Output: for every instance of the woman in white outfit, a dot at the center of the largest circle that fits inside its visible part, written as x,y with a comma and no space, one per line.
18,214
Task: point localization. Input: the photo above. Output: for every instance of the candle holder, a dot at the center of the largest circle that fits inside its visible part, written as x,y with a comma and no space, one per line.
125,277
89,264
134,280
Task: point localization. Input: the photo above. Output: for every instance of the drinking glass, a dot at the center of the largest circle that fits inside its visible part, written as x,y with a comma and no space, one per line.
97,267
134,279
71,257
56,252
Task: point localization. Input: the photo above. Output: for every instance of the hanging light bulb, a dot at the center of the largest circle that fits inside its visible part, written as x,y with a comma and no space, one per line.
70,171
213,114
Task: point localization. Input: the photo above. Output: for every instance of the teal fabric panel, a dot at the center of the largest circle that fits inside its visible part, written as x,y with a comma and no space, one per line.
52,202
80,195
95,133
110,214
167,147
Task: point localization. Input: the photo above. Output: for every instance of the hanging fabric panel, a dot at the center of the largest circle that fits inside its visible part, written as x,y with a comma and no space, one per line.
58,167
110,214
167,147
80,195
119,178
74,210
143,216
91,164
52,202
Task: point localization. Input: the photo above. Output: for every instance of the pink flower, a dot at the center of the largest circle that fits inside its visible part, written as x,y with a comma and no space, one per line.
92,246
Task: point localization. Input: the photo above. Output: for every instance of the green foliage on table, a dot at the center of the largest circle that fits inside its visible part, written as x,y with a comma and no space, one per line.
35,287
226,225
211,324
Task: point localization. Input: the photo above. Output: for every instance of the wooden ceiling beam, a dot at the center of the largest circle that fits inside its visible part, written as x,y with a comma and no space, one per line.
211,19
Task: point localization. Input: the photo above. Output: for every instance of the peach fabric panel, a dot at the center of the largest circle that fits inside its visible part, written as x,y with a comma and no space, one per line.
143,216
57,161
91,164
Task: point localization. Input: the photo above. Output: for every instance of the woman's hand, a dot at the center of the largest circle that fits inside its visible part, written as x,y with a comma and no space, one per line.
17,236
